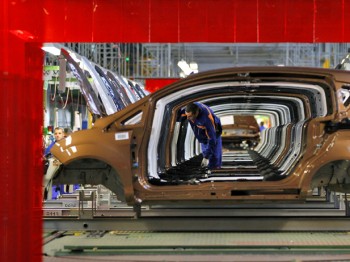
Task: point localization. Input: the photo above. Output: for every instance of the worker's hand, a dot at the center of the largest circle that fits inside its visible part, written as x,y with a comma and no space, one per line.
205,162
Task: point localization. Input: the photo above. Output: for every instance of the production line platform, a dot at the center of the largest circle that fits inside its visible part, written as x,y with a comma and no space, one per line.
92,224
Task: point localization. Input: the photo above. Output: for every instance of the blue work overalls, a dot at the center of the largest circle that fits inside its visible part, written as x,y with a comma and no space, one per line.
207,129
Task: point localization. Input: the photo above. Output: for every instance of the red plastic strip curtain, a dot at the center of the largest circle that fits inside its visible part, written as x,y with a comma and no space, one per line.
21,174
174,21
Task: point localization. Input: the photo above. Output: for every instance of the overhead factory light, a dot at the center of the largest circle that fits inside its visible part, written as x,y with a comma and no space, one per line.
186,68
50,48
194,66
182,74
55,49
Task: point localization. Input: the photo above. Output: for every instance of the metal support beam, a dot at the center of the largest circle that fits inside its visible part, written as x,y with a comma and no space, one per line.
203,224
90,212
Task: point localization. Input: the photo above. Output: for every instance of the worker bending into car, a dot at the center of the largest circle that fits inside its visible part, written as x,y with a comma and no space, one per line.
207,129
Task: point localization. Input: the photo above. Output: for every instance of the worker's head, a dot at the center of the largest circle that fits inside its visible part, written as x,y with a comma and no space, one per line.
192,111
59,133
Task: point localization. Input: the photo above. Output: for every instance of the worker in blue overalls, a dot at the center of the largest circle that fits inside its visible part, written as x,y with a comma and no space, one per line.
207,129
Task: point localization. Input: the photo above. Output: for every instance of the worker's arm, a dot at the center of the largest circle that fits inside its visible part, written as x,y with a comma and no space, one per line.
181,116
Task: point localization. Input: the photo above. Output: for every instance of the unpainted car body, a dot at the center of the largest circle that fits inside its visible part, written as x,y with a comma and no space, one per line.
144,155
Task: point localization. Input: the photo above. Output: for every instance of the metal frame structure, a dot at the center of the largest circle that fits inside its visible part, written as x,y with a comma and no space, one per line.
159,60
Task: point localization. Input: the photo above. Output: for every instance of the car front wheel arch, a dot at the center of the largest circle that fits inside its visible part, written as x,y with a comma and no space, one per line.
92,172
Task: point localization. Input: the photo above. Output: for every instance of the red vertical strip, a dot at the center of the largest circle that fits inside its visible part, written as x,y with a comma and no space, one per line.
271,20
346,24
21,120
342,19
314,15
104,22
226,22
54,17
329,21
246,21
257,22
78,19
299,21
136,21
193,20
166,20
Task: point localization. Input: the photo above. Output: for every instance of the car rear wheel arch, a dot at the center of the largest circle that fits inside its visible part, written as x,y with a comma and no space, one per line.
334,176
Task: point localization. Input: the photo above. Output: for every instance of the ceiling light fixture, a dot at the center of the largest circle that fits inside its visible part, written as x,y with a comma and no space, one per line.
51,49
194,66
186,68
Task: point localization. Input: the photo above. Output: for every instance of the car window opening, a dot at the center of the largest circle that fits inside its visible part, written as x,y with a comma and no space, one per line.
252,151
133,120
